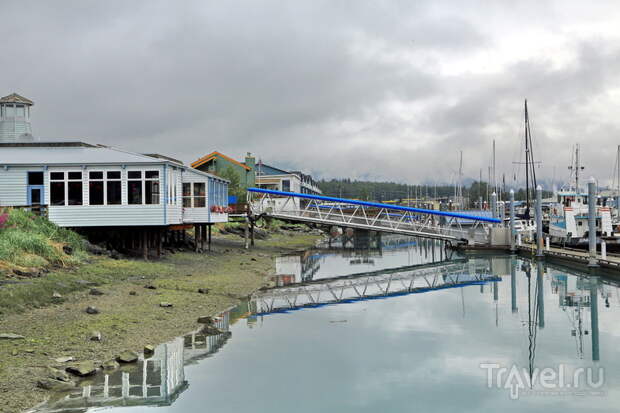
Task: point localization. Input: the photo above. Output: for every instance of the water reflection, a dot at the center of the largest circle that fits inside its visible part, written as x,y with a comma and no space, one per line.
157,380
411,325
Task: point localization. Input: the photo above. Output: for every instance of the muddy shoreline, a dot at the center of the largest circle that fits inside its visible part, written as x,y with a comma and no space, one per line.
130,315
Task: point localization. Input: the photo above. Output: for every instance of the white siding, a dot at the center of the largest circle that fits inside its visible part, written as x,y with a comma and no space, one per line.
14,185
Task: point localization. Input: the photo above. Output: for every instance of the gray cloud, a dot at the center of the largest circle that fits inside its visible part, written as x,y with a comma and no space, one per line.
383,90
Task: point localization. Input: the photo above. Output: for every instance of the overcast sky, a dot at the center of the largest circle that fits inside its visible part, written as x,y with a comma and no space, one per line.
360,89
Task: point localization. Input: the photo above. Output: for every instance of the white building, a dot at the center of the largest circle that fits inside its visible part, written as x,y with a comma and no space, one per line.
85,185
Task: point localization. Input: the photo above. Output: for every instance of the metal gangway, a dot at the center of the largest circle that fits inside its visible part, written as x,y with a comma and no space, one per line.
372,216
373,285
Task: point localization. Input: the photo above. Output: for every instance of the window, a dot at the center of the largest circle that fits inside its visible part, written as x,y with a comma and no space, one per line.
113,187
134,187
286,185
75,192
20,112
57,188
187,195
9,111
151,187
95,188
200,196
104,187
66,188
35,178
143,187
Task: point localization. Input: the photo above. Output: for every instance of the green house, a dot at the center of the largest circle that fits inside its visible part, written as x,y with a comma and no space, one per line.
220,165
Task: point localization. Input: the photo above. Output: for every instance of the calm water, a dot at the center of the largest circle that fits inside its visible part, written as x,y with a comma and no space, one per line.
388,340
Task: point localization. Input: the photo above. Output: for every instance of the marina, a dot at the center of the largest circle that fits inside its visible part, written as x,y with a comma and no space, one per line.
383,352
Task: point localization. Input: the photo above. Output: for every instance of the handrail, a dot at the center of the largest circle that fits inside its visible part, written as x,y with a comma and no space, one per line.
375,204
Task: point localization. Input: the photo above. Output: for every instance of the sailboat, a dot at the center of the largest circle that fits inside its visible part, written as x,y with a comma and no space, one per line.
525,224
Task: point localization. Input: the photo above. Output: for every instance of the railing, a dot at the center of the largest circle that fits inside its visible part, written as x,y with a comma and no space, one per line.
370,215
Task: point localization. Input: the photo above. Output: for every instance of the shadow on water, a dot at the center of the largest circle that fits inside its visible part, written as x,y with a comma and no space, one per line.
536,298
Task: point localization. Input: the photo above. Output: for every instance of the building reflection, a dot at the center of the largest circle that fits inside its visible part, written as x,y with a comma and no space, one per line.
157,380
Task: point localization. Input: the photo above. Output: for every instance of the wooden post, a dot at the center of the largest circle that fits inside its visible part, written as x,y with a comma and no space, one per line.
210,236
196,236
145,244
247,232
252,232
158,241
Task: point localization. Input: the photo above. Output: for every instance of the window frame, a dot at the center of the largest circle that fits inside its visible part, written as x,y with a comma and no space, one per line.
66,182
105,180
143,180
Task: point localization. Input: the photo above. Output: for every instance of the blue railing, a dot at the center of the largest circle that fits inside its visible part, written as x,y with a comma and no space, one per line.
376,205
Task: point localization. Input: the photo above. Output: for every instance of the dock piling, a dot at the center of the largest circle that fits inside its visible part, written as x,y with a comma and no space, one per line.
592,261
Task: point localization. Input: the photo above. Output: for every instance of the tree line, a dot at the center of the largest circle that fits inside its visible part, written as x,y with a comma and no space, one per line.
386,191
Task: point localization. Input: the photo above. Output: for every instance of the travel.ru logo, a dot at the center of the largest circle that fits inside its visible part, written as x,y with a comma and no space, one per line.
559,380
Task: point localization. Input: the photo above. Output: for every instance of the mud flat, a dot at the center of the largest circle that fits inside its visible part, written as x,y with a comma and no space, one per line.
137,303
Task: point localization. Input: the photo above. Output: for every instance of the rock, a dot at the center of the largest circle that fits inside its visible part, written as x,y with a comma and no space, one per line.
95,336
85,368
56,295
188,275
85,282
210,330
205,320
92,310
95,291
110,365
14,353
149,349
10,336
132,293
127,357
203,291
63,359
67,249
95,249
150,287
29,351
56,385
56,374
115,255
165,304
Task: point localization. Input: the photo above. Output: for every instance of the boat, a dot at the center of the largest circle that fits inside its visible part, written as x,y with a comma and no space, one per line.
569,213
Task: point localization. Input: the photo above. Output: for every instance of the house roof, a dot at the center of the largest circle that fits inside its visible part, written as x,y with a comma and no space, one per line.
264,169
214,155
15,98
70,155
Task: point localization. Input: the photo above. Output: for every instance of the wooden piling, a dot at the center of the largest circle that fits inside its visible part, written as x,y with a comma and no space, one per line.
145,244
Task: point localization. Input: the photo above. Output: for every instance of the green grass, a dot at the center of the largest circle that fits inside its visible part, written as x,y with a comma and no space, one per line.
27,240
38,292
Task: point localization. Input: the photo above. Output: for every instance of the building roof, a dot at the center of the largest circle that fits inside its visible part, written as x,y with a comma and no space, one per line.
15,98
264,169
68,155
216,154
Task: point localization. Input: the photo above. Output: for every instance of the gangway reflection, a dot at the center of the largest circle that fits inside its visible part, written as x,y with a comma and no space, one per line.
373,284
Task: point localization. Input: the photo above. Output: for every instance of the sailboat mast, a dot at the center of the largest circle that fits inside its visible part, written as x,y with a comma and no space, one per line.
527,168
618,172
577,169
